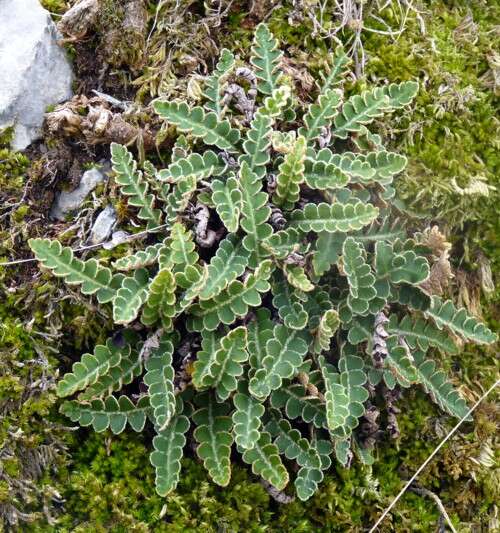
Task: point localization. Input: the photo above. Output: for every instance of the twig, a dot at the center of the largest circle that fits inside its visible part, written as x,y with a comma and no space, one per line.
425,492
91,246
431,456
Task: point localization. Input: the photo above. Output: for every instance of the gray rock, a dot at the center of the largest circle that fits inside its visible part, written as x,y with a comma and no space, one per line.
35,71
67,202
118,237
103,225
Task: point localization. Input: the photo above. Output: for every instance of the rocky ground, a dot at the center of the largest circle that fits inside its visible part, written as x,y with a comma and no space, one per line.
122,54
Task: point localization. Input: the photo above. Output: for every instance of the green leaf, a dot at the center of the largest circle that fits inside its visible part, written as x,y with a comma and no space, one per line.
420,334
360,109
221,370
160,302
234,301
297,403
402,94
247,420
130,297
140,259
359,276
93,278
282,243
133,185
333,218
297,278
266,59
254,214
284,354
400,362
159,378
226,265
441,391
327,250
182,247
265,460
328,325
213,434
195,165
110,413
195,121
227,198
166,458
258,139
445,314
178,199
91,367
402,267
290,175
324,176
336,398
321,114
260,330
337,71
290,309
205,358
215,82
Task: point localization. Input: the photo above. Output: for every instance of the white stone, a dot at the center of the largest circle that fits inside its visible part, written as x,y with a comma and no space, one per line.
103,225
34,69
67,202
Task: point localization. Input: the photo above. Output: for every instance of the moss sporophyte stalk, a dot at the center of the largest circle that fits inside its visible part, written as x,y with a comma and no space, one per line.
283,299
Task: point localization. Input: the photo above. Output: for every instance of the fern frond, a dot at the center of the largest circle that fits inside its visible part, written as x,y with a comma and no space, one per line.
400,267
227,198
337,71
266,462
400,363
328,325
226,265
327,250
225,366
178,199
130,297
205,126
321,114
110,413
215,82
441,390
333,218
336,398
359,276
282,243
182,247
420,334
247,420
234,301
91,367
402,94
160,302
260,330
93,278
258,140
199,166
133,185
254,214
168,447
445,314
360,109
213,434
128,369
296,277
290,175
140,259
290,309
296,402
205,358
266,59
159,378
284,354
324,176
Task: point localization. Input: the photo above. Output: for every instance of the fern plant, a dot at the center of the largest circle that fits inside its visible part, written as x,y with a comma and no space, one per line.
271,337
